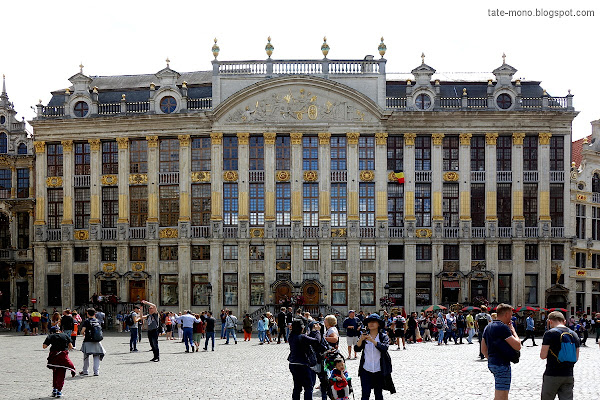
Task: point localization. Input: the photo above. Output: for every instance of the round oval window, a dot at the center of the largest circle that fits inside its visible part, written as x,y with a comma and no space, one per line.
423,101
81,109
504,101
168,104
2,120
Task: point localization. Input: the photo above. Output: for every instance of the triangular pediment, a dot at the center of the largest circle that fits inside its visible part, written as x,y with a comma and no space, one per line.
423,68
505,69
80,78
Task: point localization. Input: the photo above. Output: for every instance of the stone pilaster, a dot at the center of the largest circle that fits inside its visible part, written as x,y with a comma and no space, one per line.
544,183
491,263
243,276
94,266
123,182
66,272
464,185
13,182
40,192
216,187
185,274
215,275
436,186
545,271
410,274
296,185
40,261
153,270
409,187
95,170
68,170
517,185
243,185
354,271
352,186
437,264
153,167
269,139
381,217
491,209
184,187
518,258
324,184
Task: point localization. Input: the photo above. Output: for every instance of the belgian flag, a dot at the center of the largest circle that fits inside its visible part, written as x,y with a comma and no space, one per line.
400,176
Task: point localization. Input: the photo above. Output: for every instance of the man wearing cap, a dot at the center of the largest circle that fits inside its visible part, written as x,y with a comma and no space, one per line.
352,326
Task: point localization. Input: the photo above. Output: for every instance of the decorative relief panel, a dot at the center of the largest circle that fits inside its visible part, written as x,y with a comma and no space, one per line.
54,181
109,267
338,232
392,177
40,146
367,176
109,180
283,176
311,176
257,232
168,233
82,235
138,266
381,138
437,138
230,176
451,176
138,179
423,233
201,176
409,139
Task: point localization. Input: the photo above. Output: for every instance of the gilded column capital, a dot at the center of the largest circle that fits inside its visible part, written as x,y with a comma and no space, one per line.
324,137
40,146
352,137
296,137
184,140
152,140
67,145
381,138
94,144
409,139
270,137
437,138
544,137
243,138
465,139
123,143
491,138
216,138
518,137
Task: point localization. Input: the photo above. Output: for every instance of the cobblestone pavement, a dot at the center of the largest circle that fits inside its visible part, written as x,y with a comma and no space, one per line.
250,371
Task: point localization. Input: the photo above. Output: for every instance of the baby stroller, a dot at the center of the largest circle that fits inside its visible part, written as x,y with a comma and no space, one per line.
338,386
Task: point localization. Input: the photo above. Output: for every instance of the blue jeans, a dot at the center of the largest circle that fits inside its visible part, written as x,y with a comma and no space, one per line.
133,339
188,334
19,322
231,331
303,379
209,335
371,381
440,336
261,336
68,332
287,332
222,330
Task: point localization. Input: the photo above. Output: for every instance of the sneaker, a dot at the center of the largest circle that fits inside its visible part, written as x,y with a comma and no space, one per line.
187,351
155,360
58,394
135,350
96,374
54,392
205,349
83,374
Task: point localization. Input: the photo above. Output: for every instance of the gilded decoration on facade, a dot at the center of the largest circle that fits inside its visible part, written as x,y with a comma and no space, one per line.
138,179
230,176
67,146
310,176
451,176
298,104
184,140
423,233
81,235
216,138
581,197
123,143
296,137
324,137
544,137
381,138
465,139
6,161
392,177
491,138
39,146
518,138
409,139
437,138
283,176
243,138
257,232
138,266
270,137
353,137
109,267
54,181
367,176
94,144
168,233
338,232
152,141
109,180
283,266
201,176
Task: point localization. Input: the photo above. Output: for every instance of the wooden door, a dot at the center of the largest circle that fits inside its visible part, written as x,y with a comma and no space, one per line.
137,291
310,292
283,292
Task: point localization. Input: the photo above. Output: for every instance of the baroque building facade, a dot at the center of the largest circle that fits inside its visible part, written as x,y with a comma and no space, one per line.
262,180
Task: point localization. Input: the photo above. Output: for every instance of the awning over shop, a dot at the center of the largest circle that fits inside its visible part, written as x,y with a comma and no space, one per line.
451,284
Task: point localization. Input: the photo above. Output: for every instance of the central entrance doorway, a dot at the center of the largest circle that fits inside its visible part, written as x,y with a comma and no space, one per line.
311,294
479,289
283,292
137,291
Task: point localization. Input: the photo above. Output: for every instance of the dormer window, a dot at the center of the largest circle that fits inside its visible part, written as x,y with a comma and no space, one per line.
3,143
2,119
504,101
168,104
22,149
423,101
81,109
596,183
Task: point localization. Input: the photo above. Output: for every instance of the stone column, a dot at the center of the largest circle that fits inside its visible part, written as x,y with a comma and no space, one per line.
409,193
436,186
40,193
354,270
544,183
66,272
296,186
216,187
491,261
464,187
545,271
519,272
32,181
410,273
154,271
269,139
243,185
381,217
465,267
95,266
491,209
153,167
185,274
325,209
437,265
123,182
40,262
68,170
184,186
352,186
95,187
517,186
13,182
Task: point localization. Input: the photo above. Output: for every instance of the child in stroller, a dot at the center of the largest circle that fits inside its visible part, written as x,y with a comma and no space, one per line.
341,383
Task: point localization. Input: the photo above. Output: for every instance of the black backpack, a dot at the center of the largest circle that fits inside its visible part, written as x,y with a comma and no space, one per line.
482,322
95,331
129,320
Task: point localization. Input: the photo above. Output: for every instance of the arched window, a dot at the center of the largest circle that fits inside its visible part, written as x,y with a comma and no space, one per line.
4,231
596,183
3,143
22,149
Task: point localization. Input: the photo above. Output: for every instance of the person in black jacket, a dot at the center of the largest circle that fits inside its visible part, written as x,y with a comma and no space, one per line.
281,324
375,368
303,349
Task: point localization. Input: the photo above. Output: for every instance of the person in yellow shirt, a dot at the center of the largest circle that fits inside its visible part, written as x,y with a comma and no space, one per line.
470,327
35,321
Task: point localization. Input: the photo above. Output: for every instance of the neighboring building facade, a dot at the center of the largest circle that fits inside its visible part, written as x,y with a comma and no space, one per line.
260,180
583,276
16,208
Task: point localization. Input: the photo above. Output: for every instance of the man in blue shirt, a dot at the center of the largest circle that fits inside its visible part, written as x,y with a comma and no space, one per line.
352,326
529,330
500,341
187,322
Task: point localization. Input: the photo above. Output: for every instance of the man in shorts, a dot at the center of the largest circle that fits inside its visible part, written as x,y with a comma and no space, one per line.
500,342
352,326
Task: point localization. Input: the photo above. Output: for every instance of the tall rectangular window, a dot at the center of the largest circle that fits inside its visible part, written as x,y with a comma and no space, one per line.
423,153
396,284
366,252
595,223
530,204
82,208
531,289
366,204
450,153
310,204
310,153
81,254
23,230
200,292
423,204
137,253
230,252
230,153
366,153
451,252
580,260
423,289
110,206
201,252
282,153
339,289
339,252
396,252
201,202
257,252
395,153
478,204
557,204
169,155
110,158
310,252
338,204
450,204
138,156
579,221
504,153
283,203
201,149
169,290
54,159
230,289
504,204
168,253
256,151
504,252
478,252
531,252
367,289
138,205
55,208
169,205
22,183
478,153
504,288
257,204
257,289
530,153
230,204
54,254
338,153
423,252
82,158
557,153
54,290
395,204
5,183
109,253
558,252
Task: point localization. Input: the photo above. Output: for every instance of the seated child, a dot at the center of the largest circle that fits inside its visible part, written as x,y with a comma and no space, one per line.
340,382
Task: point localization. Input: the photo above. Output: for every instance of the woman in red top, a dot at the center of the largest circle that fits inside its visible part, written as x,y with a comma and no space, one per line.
169,326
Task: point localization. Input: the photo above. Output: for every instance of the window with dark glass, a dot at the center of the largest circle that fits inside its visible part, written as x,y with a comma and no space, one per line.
230,252
504,153
557,204
201,151
451,252
256,252
23,230
595,223
137,253
557,153
580,221
504,288
169,290
530,204
200,291
110,206
257,204
366,204
531,252
283,252
55,208
201,203
596,183
478,252
54,254
366,153
558,252
168,104
81,254
423,153
450,153
110,158
230,204
230,289
168,253
396,252
504,101
138,156
256,153
504,252
450,204
201,252
169,205
338,153
339,252
504,204
396,285
82,208
4,232
338,205
478,153
395,204
54,290
169,155
367,289
282,152
138,206
423,101
580,260
339,289
109,253
310,153
3,143
395,153
5,183
423,252
531,288
478,204
257,289
310,204
22,183
530,153
423,204
81,109
82,158
423,289
54,159
22,149
283,203
230,153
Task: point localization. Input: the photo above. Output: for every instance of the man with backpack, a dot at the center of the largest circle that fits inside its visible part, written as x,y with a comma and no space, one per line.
92,342
131,321
481,321
560,349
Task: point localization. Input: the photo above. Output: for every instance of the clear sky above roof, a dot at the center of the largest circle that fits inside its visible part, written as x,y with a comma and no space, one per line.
44,42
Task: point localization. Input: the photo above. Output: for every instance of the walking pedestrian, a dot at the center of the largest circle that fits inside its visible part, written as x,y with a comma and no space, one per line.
441,326
230,324
223,317
66,322
470,327
187,321
247,326
461,324
352,326
198,331
529,330
282,326
584,322
92,342
261,328
153,325
44,321
132,321
481,322
58,359
100,316
597,324
210,330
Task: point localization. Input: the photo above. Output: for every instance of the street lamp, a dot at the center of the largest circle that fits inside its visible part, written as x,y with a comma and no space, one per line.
209,288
